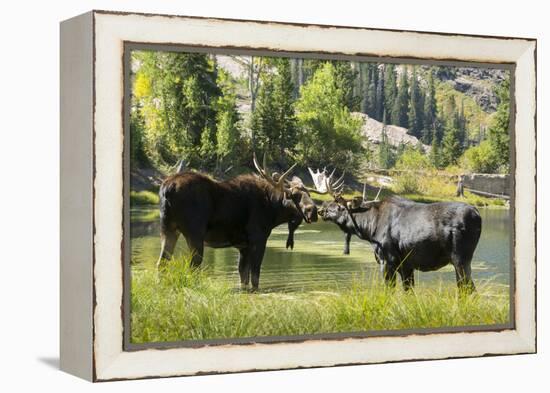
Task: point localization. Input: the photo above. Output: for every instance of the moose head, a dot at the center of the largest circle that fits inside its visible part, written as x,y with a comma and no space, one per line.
295,194
335,210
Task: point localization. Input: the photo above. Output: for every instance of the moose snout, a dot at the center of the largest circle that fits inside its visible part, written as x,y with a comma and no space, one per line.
311,213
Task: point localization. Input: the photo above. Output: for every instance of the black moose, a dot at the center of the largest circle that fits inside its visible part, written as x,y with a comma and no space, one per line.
410,236
319,180
240,213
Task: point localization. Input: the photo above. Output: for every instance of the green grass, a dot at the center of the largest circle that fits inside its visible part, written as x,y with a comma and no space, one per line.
470,198
185,304
143,198
144,214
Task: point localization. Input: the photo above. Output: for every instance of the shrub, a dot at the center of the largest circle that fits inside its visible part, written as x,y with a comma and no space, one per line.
410,180
481,158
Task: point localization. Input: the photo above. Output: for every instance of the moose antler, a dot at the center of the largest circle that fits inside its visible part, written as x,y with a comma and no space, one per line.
280,182
365,199
324,184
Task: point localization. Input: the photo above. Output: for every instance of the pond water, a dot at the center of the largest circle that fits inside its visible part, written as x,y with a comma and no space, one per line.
317,261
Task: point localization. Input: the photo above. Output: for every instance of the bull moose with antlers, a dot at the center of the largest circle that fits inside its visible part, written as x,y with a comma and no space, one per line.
409,236
240,212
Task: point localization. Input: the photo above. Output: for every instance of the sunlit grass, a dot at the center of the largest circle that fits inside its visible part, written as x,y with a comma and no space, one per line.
181,303
144,198
144,214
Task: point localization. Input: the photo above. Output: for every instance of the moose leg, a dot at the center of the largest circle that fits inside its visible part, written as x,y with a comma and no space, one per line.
244,269
168,243
389,274
292,226
461,257
407,277
255,257
346,243
464,280
196,247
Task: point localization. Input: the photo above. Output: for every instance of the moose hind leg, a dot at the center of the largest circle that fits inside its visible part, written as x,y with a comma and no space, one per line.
463,271
255,257
407,277
244,269
168,243
462,262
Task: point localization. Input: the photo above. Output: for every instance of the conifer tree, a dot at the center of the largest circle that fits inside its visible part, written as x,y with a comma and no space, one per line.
451,145
364,84
379,109
400,111
430,111
371,92
274,120
499,137
415,123
176,93
345,80
227,123
390,90
435,153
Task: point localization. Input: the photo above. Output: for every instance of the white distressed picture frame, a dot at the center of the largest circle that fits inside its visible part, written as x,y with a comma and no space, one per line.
92,147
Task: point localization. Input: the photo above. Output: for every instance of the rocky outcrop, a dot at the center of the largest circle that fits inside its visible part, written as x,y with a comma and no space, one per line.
476,83
372,132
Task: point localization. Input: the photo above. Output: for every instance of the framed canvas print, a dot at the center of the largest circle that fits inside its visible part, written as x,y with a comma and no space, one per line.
245,195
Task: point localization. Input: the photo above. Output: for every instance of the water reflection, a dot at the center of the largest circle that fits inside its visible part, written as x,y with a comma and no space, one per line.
317,261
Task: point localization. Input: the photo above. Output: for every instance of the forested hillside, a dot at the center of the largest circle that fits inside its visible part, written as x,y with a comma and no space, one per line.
213,111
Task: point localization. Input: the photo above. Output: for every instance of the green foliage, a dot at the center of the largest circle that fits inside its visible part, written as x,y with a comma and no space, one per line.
228,131
329,132
413,159
386,155
416,107
481,158
411,162
435,152
446,99
390,90
430,112
182,303
499,136
185,107
207,149
137,150
400,110
452,145
181,106
345,76
274,120
492,155
451,148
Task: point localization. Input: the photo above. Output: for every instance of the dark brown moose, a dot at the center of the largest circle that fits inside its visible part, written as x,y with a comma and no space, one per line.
240,213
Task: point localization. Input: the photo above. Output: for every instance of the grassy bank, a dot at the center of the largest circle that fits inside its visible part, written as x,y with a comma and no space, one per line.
186,304
468,197
144,198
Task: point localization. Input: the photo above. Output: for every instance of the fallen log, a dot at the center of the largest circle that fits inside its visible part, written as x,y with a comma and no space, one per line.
488,194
